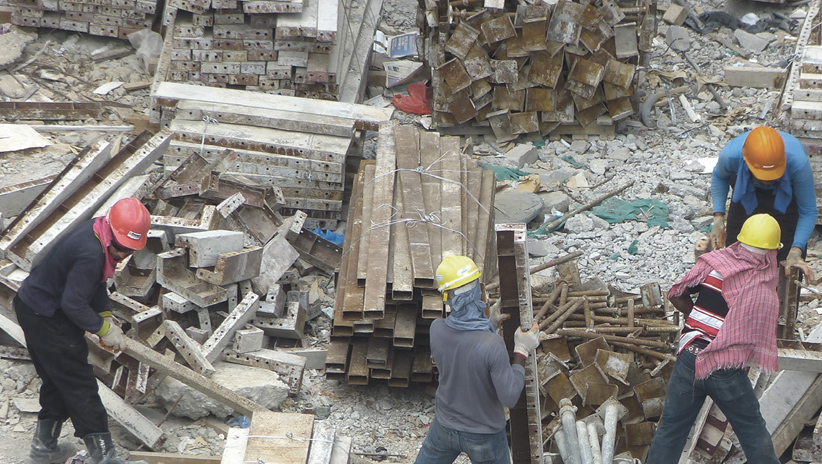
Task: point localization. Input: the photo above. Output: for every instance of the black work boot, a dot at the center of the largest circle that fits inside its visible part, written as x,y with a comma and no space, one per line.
44,447
101,448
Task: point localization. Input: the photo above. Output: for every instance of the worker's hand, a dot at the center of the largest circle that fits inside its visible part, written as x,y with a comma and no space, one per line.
525,342
794,259
114,338
496,317
718,232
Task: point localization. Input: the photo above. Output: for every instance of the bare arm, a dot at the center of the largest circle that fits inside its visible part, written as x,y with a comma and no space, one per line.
683,303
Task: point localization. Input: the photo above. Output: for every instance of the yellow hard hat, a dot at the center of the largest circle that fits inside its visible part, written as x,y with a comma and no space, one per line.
761,231
454,272
764,152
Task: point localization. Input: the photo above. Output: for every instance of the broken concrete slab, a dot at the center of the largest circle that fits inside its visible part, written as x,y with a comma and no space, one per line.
205,247
516,206
173,273
259,385
523,155
750,42
278,256
234,266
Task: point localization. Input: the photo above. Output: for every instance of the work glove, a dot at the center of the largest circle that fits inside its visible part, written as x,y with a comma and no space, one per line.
496,317
794,259
112,335
525,342
718,233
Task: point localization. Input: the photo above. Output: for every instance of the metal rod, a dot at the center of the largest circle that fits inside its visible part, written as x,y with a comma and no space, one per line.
568,419
584,445
613,338
540,267
593,438
609,439
557,323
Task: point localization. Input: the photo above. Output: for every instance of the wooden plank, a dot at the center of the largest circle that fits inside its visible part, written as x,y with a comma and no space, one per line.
171,458
365,117
381,217
236,444
279,437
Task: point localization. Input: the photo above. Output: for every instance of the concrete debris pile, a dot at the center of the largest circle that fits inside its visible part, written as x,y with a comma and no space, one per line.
529,69
421,200
107,18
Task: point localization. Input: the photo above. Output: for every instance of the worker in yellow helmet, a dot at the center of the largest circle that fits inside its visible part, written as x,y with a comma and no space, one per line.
477,377
770,173
730,326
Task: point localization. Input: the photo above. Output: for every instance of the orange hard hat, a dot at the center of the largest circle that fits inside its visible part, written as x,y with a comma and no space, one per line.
764,152
130,221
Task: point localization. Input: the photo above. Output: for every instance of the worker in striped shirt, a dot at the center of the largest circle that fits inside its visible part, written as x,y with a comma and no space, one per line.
730,326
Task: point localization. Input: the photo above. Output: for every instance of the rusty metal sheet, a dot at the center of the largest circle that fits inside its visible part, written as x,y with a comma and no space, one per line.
405,326
401,372
533,36
620,108
483,101
462,40
564,25
626,40
498,29
590,17
476,63
611,12
619,73
564,112
501,125
584,77
455,75
524,123
219,186
589,115
462,109
612,92
515,47
592,39
51,111
505,99
423,369
480,88
545,69
540,99
273,7
581,103
531,13
504,72
523,82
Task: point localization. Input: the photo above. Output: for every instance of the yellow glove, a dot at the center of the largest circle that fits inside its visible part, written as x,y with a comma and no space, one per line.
496,317
112,336
794,259
718,232
526,342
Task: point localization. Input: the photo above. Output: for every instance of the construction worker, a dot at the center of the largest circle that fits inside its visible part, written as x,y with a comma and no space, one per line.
477,379
63,297
775,178
731,325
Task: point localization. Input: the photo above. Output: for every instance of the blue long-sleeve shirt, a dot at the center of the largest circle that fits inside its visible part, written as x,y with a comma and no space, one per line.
69,279
799,172
476,379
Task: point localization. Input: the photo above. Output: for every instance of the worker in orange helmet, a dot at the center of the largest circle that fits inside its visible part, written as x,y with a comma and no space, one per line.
63,297
770,173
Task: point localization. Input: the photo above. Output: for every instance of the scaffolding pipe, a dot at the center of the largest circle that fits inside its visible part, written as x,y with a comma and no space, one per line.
593,438
569,426
559,437
584,444
609,439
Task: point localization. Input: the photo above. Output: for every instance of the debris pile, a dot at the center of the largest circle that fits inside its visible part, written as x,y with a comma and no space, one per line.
528,69
421,200
107,18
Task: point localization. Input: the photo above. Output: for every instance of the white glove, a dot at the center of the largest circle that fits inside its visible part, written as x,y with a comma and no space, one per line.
526,342
496,317
114,337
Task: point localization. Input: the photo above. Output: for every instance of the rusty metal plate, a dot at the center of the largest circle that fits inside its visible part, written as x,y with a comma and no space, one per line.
476,63
598,394
564,112
515,47
584,377
462,40
592,39
619,73
585,72
591,16
612,92
553,48
545,69
524,123
587,352
557,345
613,364
533,36
626,40
498,29
482,101
581,103
560,387
462,109
564,25
620,108
505,99
501,125
503,72
480,88
483,112
522,81
611,12
639,434
540,99
531,13
455,75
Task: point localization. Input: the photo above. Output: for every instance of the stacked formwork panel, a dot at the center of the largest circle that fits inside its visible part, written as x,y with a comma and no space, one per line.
516,68
108,18
420,201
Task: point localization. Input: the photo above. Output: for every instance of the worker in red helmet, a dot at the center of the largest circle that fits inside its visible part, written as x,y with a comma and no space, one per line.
770,173
63,297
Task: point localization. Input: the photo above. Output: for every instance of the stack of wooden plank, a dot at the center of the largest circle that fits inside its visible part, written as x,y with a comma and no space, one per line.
280,47
517,68
108,18
419,201
292,143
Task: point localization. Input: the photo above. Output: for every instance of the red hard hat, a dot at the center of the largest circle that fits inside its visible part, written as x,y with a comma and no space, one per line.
130,222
